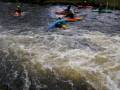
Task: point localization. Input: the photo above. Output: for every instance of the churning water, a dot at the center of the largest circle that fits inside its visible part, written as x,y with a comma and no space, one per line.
86,57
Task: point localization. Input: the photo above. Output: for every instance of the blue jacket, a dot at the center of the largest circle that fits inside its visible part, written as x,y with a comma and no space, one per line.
54,24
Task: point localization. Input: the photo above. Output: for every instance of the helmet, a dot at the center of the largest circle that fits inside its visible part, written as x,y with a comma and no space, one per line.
18,6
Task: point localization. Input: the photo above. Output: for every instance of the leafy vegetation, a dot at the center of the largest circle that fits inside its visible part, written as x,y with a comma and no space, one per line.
109,3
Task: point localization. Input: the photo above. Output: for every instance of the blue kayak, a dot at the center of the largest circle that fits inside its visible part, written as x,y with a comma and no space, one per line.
54,24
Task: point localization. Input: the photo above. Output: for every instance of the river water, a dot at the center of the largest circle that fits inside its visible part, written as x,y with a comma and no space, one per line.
84,57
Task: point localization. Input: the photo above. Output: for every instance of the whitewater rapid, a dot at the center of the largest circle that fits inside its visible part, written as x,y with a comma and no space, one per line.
94,55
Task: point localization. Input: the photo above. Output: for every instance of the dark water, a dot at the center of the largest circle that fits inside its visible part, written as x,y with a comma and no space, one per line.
83,57
37,17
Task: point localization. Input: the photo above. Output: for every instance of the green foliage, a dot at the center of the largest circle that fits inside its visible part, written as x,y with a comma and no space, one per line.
110,3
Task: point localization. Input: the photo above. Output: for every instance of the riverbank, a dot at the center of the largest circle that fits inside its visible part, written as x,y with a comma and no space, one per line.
114,4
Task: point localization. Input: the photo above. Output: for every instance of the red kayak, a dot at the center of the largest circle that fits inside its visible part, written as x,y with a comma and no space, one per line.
73,19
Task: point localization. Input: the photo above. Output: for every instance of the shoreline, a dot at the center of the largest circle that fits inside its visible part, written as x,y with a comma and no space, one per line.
111,4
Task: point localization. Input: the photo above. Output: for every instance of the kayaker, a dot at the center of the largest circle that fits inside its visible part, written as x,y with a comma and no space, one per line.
67,9
18,11
69,13
60,23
